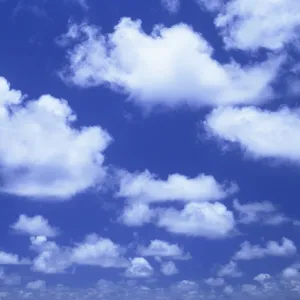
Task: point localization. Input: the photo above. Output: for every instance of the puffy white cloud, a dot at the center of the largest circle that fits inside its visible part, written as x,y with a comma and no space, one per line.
259,212
211,220
230,270
98,251
168,268
41,153
171,6
36,226
250,25
228,290
272,248
158,248
139,268
215,281
160,71
137,214
261,278
260,133
290,273
12,259
93,251
51,258
36,285
147,187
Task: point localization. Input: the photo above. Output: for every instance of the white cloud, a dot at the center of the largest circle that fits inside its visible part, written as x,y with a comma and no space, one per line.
168,268
137,214
261,133
210,5
51,258
215,281
93,251
211,220
36,285
273,248
147,187
250,25
139,268
12,259
261,278
228,290
158,248
230,270
159,70
259,212
291,273
172,6
36,225
96,251
41,153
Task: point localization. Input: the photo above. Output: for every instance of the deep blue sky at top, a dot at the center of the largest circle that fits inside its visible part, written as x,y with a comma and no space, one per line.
164,142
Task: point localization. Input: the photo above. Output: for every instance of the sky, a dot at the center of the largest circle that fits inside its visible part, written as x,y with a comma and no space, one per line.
149,149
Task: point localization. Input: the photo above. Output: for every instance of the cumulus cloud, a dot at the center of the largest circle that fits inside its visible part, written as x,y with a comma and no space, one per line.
211,220
160,71
96,251
139,268
93,251
137,214
36,285
158,248
259,212
261,278
251,25
168,268
260,133
215,282
42,154
12,259
291,273
230,270
272,248
147,187
35,226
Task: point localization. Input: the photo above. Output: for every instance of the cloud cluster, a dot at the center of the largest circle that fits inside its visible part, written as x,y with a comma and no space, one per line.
204,219
272,248
93,251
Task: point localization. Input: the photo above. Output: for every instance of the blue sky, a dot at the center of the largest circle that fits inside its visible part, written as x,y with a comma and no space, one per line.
149,150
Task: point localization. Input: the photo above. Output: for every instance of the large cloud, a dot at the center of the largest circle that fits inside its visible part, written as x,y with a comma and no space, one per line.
41,153
160,70
261,133
250,25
